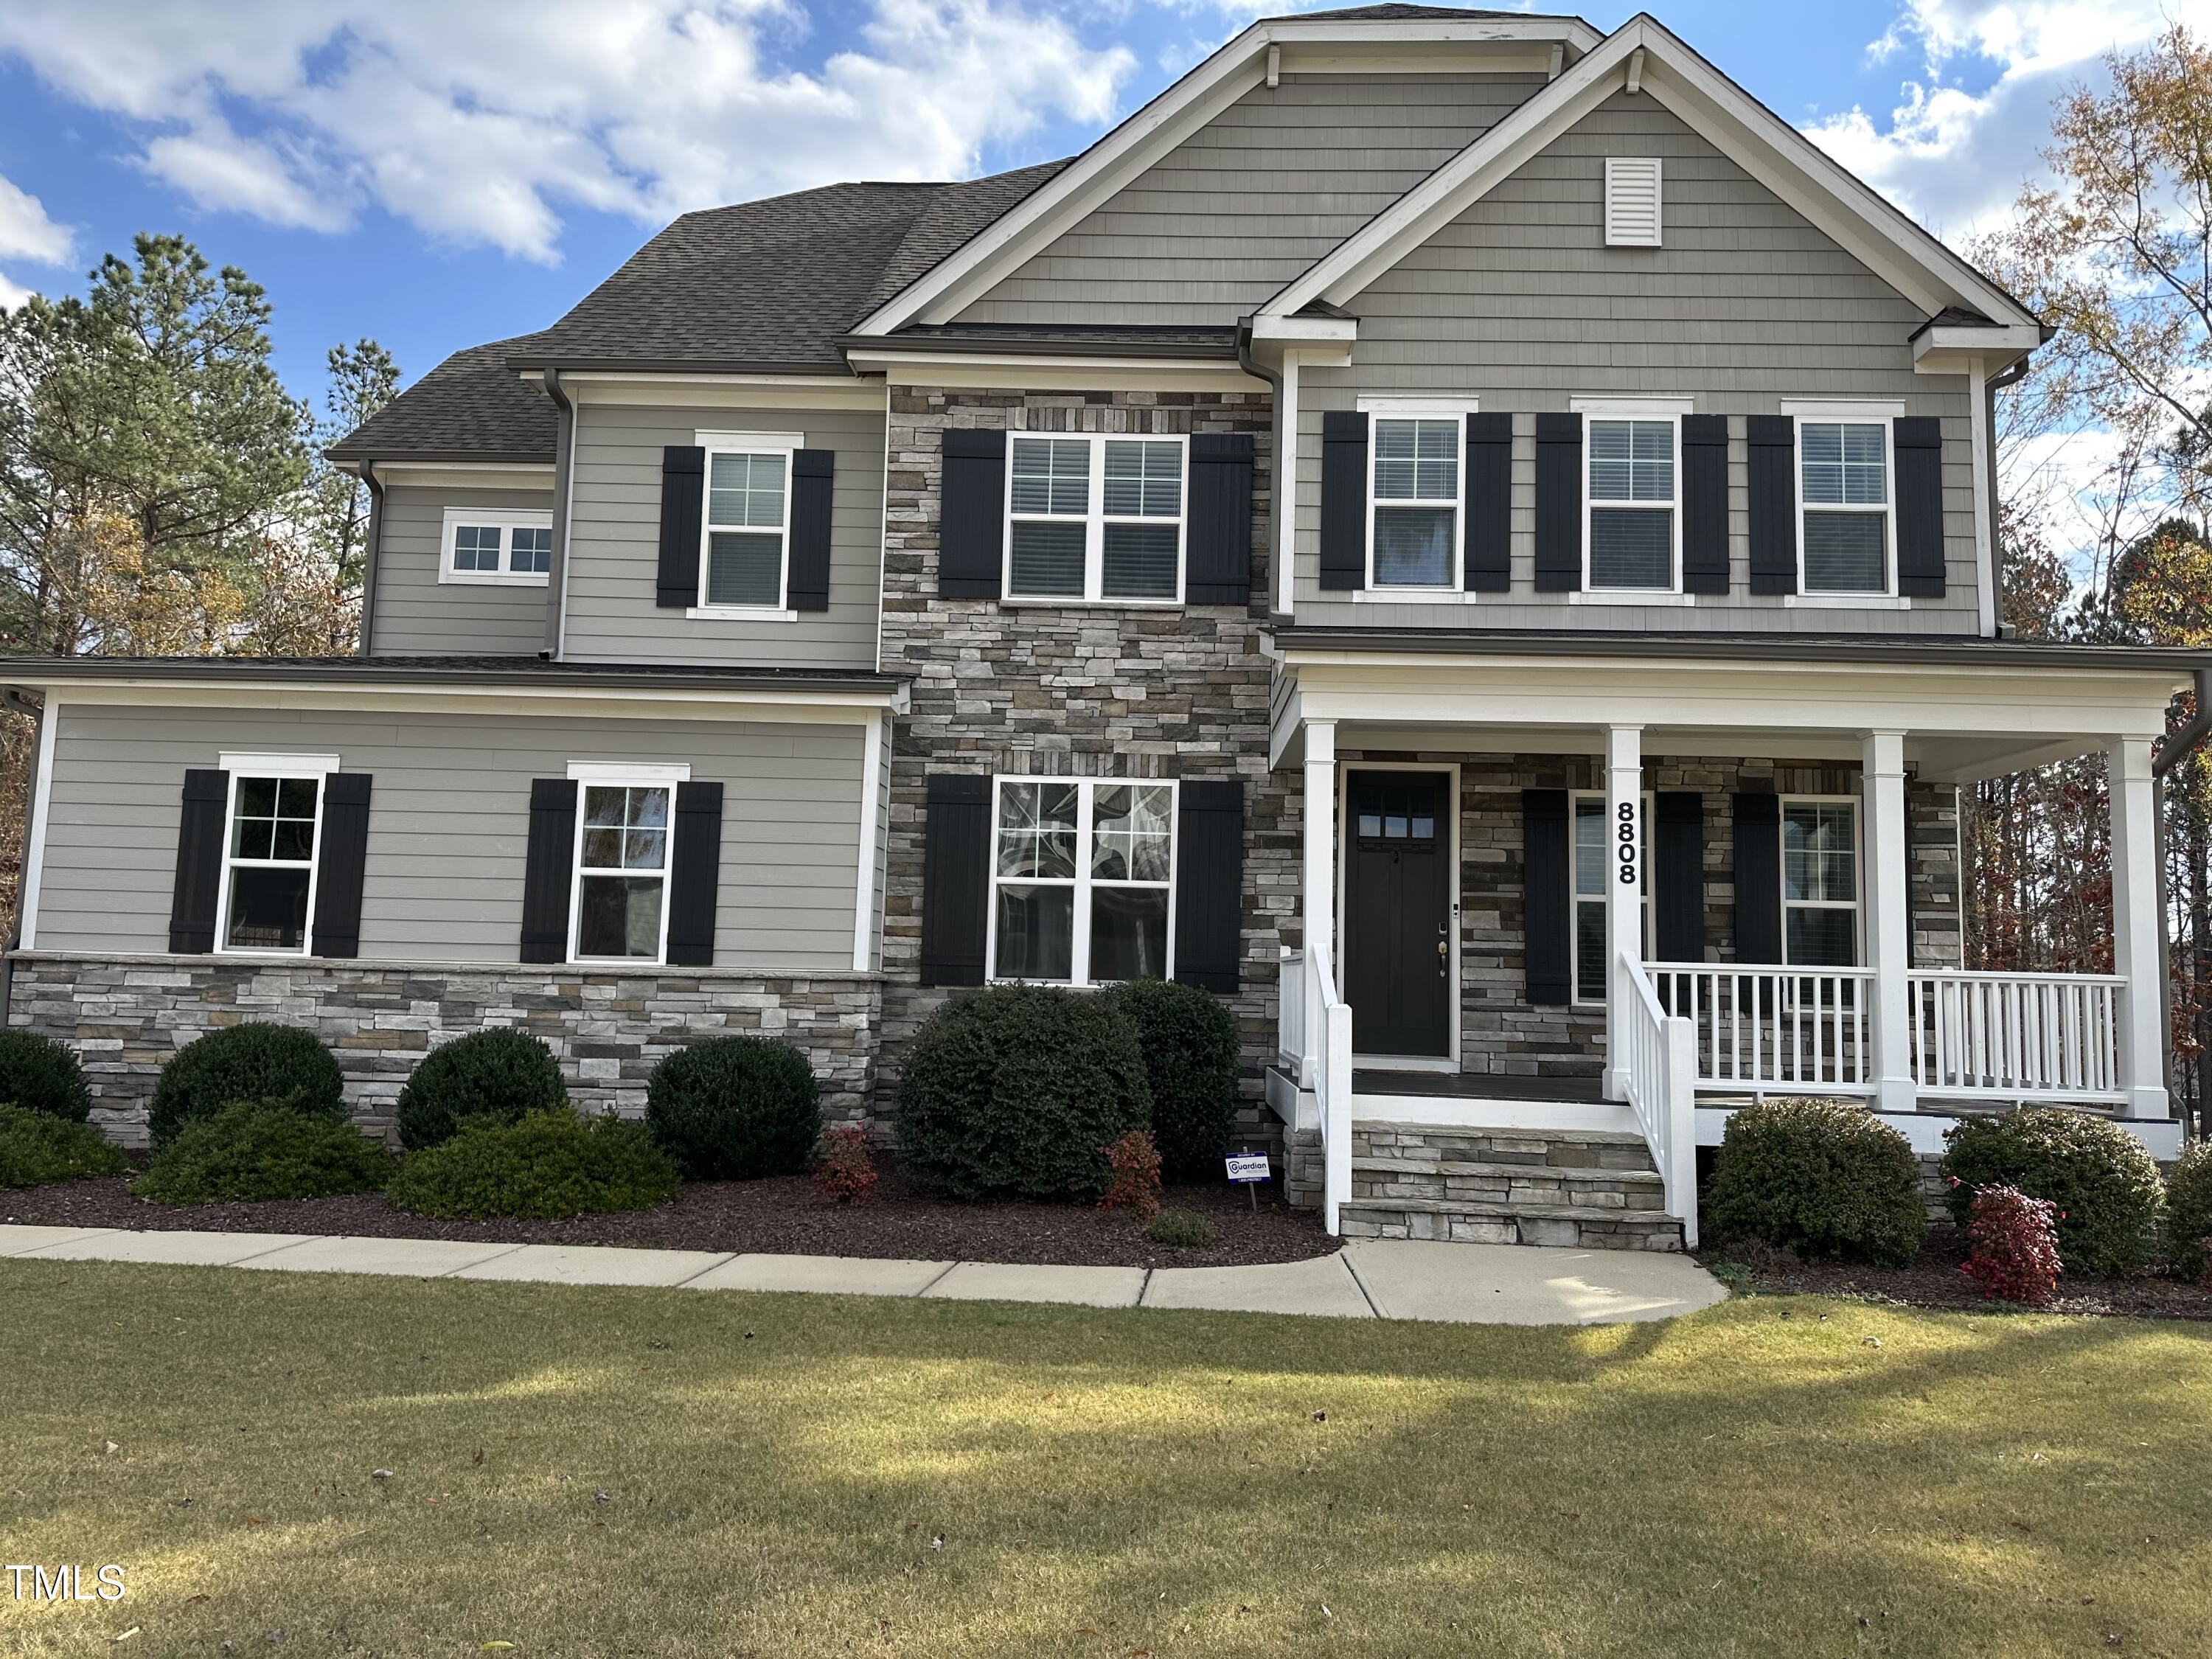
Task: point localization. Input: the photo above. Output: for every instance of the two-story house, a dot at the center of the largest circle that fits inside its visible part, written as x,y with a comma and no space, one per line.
1468,538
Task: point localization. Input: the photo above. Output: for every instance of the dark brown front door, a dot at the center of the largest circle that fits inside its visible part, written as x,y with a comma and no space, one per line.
1397,912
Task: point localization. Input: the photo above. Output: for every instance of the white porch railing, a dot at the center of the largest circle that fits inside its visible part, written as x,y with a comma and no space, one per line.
1291,995
1774,1031
1329,1019
2043,1037
1662,1078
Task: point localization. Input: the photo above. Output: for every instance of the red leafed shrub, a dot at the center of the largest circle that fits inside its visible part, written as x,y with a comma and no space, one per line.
2015,1245
847,1173
1135,1181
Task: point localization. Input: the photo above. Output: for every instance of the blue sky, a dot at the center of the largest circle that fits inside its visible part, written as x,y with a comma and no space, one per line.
438,173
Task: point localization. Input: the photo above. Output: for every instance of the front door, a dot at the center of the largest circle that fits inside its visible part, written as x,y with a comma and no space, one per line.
1397,912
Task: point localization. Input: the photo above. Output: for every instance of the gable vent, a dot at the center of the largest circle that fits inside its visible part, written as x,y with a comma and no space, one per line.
1632,201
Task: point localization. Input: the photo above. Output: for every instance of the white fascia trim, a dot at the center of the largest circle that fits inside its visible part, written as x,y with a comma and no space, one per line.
34,855
278,765
1050,373
1833,409
1306,330
837,707
743,441
629,772
480,475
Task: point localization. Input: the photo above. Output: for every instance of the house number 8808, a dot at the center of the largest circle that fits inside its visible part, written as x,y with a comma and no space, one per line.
1626,849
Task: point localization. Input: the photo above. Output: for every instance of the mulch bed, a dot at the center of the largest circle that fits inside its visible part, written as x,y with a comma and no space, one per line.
1934,1281
783,1216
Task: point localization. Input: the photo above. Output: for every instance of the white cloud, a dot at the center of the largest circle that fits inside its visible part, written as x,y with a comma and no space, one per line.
1956,159
26,233
482,120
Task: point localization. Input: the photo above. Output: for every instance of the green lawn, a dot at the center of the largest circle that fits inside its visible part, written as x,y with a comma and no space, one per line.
804,1475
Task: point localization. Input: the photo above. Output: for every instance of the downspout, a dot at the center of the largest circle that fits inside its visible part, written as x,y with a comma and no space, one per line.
15,700
1258,371
2175,748
370,555
2010,374
556,581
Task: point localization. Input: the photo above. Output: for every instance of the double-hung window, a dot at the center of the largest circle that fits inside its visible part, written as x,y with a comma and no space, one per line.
619,908
1594,874
1081,880
1415,492
268,852
1845,526
1094,518
496,545
1634,529
744,555
1819,883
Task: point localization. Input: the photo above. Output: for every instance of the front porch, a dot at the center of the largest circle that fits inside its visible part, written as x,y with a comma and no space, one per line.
1528,914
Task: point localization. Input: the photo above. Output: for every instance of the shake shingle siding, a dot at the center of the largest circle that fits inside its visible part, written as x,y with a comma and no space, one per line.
1519,303
418,616
1228,217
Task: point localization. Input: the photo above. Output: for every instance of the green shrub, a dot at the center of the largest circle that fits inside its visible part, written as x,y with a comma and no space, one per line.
735,1108
252,1061
1188,1039
36,1147
41,1075
1821,1177
255,1151
2188,1212
1015,1091
2105,1184
498,1074
1184,1229
544,1165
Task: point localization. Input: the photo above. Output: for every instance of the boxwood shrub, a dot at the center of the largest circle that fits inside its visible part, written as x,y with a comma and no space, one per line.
1188,1040
544,1165
2188,1212
1016,1090
252,1061
36,1147
255,1151
41,1075
735,1108
499,1074
2105,1184
1821,1177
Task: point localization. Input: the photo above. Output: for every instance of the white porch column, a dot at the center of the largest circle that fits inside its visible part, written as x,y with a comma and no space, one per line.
1320,847
1888,920
1624,889
2135,931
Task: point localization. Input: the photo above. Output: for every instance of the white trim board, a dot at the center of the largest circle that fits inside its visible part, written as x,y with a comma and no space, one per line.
34,854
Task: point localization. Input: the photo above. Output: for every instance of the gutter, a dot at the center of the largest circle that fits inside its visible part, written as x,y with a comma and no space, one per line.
2178,744
1284,445
13,699
2010,374
556,581
370,553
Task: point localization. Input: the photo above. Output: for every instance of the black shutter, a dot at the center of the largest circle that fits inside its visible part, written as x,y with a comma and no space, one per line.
1919,442
1343,500
199,862
1548,918
1209,894
1217,539
1705,504
341,863
1757,879
683,498
971,540
1559,505
1489,538
1772,452
695,875
813,473
956,878
1678,877
547,869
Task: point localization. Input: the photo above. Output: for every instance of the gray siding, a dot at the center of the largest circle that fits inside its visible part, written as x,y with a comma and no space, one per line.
613,542
449,823
417,615
1519,303
1244,205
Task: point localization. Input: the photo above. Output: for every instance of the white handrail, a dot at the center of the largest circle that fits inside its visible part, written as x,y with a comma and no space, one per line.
1775,1030
2004,1036
1330,1023
1661,1075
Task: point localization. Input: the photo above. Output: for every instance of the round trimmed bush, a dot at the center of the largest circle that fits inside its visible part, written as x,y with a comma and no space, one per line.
543,1166
256,1061
1188,1040
41,1075
1016,1090
498,1073
1821,1177
2105,1184
252,1151
735,1107
1186,1229
2188,1212
37,1147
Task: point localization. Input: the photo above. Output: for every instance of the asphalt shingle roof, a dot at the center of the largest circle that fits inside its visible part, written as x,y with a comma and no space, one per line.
469,407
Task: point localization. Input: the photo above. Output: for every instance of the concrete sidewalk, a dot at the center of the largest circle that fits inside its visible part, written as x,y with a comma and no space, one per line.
1368,1279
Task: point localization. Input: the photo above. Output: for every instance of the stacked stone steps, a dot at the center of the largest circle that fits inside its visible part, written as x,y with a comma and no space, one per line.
1588,1189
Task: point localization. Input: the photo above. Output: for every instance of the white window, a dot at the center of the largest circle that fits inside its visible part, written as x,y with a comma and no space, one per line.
1633,536
744,532
1594,868
1414,484
1081,880
496,545
1632,201
1846,538
1819,882
1094,518
625,819
269,854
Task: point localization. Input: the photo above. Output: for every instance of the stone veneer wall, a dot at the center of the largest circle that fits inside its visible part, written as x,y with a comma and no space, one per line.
1077,690
126,1015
